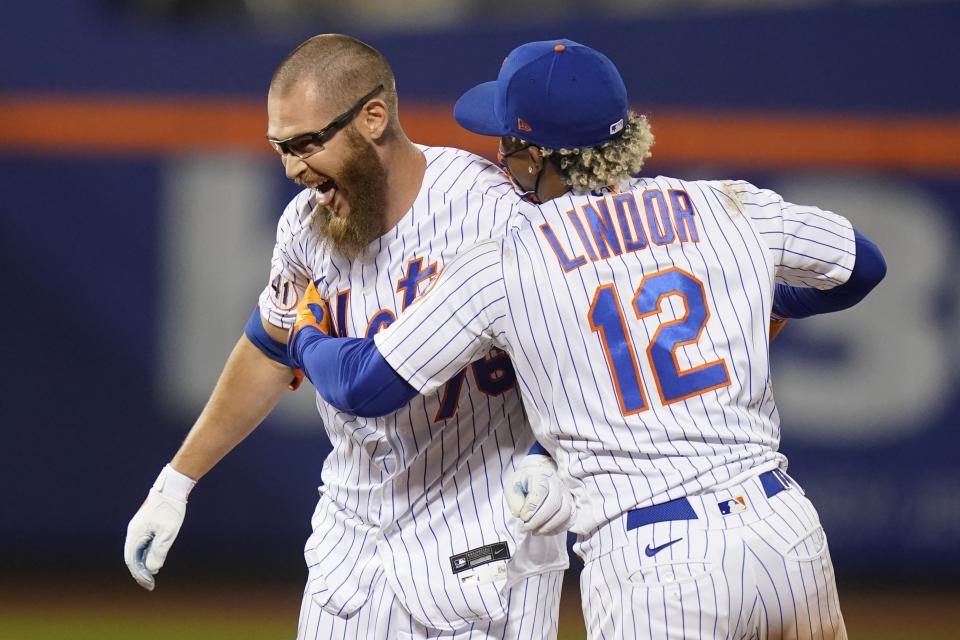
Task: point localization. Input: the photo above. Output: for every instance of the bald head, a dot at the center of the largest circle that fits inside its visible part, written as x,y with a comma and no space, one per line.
341,69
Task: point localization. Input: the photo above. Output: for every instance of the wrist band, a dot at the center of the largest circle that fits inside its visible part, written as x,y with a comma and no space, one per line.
174,484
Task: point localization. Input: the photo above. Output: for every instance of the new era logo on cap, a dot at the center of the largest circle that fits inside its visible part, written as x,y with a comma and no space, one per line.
523,126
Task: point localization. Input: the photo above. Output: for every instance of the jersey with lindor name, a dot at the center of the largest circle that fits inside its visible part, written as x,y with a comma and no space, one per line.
637,323
406,493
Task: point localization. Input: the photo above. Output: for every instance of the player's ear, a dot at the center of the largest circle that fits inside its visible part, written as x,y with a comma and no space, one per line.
536,159
373,119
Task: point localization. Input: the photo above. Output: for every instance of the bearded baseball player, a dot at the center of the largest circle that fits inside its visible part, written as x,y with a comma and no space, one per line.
411,536
636,318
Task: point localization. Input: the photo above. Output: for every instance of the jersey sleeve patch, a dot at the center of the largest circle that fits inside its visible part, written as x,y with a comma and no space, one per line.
283,291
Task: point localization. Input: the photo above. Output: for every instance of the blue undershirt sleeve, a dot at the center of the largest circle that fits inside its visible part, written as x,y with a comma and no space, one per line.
264,342
868,270
350,373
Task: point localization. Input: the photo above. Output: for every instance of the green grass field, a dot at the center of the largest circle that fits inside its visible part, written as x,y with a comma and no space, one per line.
123,612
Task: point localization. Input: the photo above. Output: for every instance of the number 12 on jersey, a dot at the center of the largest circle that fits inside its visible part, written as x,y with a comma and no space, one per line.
673,384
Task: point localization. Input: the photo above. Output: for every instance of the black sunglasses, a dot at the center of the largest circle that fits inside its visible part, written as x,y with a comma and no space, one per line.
304,145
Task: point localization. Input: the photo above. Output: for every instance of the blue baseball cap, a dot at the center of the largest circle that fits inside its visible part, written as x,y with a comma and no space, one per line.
554,93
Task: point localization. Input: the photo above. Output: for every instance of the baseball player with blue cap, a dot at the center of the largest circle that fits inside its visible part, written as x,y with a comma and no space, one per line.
528,86
527,100
635,312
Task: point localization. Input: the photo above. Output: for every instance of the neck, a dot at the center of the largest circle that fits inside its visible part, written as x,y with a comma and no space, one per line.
406,166
552,184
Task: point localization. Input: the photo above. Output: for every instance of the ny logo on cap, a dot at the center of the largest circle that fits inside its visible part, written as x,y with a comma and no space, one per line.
523,126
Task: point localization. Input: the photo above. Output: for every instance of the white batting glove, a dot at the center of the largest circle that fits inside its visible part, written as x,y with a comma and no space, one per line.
155,526
535,494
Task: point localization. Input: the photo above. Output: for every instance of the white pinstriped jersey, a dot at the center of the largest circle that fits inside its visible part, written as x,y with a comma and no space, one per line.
637,323
405,493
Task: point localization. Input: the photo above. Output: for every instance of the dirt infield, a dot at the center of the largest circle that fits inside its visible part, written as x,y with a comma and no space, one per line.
115,611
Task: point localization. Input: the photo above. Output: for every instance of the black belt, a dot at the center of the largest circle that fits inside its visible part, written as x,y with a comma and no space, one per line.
773,483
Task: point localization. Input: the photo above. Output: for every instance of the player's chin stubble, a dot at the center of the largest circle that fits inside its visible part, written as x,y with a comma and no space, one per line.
364,181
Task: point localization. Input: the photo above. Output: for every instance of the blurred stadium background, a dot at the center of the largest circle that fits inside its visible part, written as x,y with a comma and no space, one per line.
138,208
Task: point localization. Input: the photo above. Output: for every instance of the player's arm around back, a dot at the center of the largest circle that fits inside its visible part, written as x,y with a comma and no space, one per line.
250,386
823,264
868,270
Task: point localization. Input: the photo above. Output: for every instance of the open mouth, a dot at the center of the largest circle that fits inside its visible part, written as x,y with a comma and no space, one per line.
326,190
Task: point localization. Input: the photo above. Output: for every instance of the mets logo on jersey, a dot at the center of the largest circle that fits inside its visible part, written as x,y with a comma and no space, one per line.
416,281
736,505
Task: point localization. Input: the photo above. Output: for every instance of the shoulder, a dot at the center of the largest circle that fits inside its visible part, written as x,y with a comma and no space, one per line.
297,242
743,194
736,196
703,188
451,170
296,215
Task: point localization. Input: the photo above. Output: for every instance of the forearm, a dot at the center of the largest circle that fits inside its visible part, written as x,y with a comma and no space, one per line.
249,387
351,374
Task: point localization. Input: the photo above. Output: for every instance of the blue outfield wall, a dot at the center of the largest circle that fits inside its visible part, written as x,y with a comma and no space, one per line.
125,293
837,56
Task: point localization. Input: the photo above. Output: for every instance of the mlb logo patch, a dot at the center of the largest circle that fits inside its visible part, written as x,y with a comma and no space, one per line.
736,505
459,563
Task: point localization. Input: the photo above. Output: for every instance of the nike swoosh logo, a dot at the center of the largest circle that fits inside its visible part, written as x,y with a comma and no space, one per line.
652,551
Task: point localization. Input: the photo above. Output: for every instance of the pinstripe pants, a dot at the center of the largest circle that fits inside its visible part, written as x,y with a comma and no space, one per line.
763,571
534,605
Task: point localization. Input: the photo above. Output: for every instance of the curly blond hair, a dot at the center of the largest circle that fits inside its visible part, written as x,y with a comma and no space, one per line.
589,169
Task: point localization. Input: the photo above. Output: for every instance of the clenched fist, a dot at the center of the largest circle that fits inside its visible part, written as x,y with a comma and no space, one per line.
536,495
